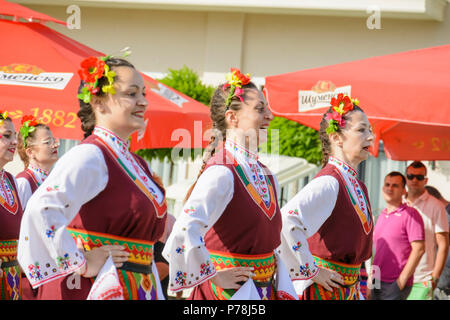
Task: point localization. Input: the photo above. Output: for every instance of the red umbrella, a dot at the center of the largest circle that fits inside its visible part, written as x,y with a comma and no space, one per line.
404,95
17,11
38,75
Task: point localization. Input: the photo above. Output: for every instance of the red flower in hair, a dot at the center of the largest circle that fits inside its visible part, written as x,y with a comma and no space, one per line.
244,79
342,104
32,119
92,69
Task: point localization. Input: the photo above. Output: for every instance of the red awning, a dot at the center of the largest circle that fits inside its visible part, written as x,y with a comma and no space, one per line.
38,76
404,95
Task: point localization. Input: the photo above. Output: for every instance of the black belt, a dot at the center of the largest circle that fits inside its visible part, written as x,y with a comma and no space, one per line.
9,264
136,267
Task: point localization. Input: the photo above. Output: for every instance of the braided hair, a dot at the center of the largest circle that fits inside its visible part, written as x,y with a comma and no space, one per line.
218,108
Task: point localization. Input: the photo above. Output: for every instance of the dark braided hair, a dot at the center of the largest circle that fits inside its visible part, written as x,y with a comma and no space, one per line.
217,113
323,135
86,114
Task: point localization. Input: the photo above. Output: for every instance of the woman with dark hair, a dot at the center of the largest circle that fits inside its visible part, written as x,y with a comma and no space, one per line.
231,223
10,215
328,225
99,194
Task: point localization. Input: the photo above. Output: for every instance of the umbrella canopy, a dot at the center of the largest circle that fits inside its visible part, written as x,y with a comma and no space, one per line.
404,95
38,76
17,11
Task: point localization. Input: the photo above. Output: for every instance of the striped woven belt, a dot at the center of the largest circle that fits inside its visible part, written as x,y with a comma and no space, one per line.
264,264
8,253
141,251
350,272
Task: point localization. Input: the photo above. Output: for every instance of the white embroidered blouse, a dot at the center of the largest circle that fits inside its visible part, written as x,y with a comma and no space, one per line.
306,212
46,250
23,186
185,249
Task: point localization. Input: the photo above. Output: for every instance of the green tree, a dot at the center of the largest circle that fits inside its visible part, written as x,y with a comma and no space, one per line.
188,82
294,140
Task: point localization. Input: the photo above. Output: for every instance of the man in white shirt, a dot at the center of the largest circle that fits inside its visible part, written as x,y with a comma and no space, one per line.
435,221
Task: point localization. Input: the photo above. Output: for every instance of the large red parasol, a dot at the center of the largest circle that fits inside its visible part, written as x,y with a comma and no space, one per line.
404,95
38,75
16,11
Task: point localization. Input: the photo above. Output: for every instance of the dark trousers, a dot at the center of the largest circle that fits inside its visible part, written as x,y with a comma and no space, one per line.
390,291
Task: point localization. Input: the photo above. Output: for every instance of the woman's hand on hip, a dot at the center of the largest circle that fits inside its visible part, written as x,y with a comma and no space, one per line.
328,279
230,278
95,258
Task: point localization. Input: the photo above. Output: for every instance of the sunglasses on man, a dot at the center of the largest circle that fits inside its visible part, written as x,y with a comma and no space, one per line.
419,177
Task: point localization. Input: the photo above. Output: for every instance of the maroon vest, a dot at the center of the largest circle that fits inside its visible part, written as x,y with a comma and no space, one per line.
31,180
10,222
244,228
342,237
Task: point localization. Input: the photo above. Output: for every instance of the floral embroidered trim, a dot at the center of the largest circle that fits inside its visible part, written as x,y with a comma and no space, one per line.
235,81
342,165
236,148
189,210
41,173
340,106
122,145
306,270
8,197
180,250
50,233
297,246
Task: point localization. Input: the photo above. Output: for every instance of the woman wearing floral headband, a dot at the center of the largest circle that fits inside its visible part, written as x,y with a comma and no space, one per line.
10,215
328,225
100,195
38,150
231,223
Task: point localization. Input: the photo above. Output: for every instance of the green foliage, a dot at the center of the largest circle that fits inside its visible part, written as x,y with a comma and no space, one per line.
295,140
186,81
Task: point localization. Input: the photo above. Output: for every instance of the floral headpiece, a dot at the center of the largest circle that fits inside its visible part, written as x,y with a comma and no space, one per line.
3,116
92,69
29,124
340,106
235,80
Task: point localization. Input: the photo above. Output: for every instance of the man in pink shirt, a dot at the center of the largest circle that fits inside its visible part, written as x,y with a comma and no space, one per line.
398,241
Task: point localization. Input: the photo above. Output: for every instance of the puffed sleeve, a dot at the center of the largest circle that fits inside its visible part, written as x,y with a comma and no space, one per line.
189,260
24,191
303,216
46,250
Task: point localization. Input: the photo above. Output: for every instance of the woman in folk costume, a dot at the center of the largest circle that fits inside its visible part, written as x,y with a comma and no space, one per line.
99,194
38,150
231,223
10,215
328,225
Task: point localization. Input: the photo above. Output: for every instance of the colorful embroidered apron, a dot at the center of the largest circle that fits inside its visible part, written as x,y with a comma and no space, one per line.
10,280
264,269
348,291
135,275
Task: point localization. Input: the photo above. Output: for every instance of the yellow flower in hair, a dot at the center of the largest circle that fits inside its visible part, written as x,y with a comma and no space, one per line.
232,79
110,76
